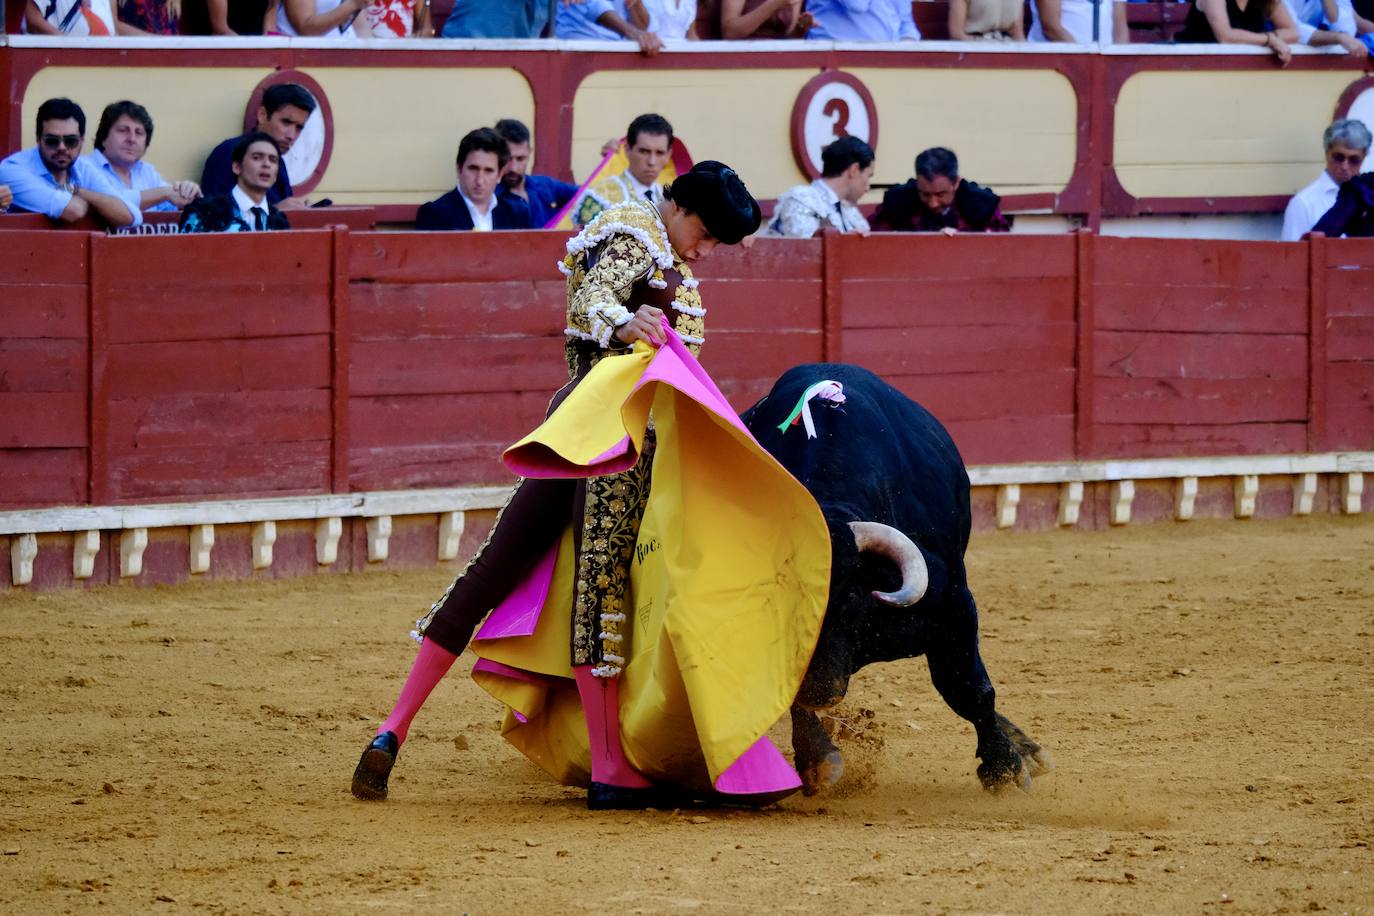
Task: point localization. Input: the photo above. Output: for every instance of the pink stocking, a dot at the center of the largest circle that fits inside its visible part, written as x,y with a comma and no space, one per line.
431,664
601,708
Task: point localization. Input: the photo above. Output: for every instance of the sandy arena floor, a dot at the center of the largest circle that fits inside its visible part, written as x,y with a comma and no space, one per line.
1205,689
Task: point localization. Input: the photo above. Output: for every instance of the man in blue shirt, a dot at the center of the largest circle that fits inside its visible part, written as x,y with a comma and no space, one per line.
862,20
121,140
52,179
508,19
284,110
545,196
603,20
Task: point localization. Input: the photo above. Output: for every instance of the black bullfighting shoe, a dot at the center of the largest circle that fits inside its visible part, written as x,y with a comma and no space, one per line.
369,779
602,796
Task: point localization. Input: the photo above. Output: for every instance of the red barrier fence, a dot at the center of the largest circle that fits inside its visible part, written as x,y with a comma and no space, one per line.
145,369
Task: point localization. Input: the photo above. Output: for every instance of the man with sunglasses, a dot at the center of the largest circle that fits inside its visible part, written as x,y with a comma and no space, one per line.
1347,143
53,179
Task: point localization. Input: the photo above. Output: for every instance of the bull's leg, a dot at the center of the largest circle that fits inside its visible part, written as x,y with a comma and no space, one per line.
956,669
819,763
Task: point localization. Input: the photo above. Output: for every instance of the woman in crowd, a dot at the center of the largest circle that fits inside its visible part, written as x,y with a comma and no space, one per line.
1233,22
764,19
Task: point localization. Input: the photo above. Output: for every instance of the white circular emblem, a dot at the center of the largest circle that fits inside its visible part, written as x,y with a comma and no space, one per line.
830,106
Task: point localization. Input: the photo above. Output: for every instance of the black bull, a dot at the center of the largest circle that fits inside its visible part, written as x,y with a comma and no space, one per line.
881,457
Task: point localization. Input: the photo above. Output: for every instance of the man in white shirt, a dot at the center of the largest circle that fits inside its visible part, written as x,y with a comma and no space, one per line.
474,204
846,173
1347,143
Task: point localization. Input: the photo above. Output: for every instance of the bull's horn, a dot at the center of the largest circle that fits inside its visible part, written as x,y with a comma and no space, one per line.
887,541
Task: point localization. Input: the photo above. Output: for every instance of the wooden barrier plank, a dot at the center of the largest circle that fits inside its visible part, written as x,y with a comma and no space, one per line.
1349,292
1167,306
966,257
985,395
245,468
762,304
42,364
1201,262
1350,253
457,463
385,310
464,365
1146,355
407,420
767,259
1350,405
1188,401
1350,337
937,301
150,370
43,477
43,419
438,257
1013,439
1123,440
43,311
43,258
937,350
275,285
224,419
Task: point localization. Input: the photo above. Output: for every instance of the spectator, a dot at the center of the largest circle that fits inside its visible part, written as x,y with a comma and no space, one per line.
485,19
996,20
6,198
1322,23
121,140
603,20
69,17
398,19
670,20
151,17
847,172
764,19
247,207
759,18
648,145
322,19
1072,21
220,17
543,195
1353,213
52,179
862,20
284,110
1346,143
1227,22
474,204
938,200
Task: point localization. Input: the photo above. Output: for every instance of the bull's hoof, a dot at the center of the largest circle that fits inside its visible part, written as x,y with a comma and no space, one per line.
1037,760
1000,775
820,776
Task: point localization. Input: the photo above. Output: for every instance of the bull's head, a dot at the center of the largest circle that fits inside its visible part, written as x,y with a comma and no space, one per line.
854,620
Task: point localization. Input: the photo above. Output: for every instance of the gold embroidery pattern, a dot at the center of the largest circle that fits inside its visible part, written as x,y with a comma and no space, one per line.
610,526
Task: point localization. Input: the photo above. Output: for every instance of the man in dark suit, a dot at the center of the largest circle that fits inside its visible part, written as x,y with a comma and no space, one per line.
248,207
474,205
284,110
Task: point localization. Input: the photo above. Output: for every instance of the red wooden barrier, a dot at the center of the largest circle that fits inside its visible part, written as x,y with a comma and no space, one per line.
1200,348
44,380
1349,343
196,367
957,323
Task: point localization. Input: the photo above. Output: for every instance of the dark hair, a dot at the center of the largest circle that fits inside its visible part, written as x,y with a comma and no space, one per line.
935,162
116,110
247,140
513,131
59,110
283,94
715,193
485,140
843,153
648,124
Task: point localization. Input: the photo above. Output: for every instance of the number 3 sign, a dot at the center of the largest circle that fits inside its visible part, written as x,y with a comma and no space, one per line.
830,106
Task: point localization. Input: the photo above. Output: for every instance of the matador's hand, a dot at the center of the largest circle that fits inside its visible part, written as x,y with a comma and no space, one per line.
645,325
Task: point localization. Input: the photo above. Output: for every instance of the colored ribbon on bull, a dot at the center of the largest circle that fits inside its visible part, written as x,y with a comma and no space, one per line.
826,390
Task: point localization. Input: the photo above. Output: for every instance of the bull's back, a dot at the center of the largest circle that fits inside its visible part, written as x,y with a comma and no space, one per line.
879,452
